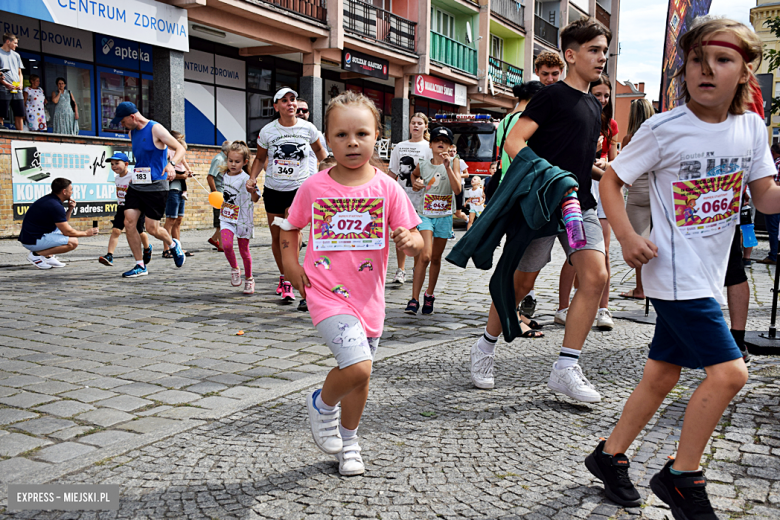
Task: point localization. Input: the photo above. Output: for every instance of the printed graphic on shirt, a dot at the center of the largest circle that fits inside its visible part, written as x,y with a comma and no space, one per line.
341,290
323,261
366,264
406,165
287,159
345,224
437,205
708,205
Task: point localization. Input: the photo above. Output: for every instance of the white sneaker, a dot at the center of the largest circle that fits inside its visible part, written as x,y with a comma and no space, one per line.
481,368
249,286
400,276
54,261
604,320
350,461
324,427
572,382
560,316
38,261
235,277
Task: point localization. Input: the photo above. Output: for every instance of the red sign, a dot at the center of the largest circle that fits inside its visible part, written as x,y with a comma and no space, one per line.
434,88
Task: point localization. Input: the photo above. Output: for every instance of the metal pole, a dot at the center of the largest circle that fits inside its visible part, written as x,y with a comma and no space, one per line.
772,327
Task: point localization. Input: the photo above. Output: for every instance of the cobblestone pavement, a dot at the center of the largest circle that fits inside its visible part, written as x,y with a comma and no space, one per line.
144,383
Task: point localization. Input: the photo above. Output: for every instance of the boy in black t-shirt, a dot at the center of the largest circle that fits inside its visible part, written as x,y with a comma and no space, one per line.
561,124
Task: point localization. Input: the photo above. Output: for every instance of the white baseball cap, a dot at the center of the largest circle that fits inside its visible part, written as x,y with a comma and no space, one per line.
283,92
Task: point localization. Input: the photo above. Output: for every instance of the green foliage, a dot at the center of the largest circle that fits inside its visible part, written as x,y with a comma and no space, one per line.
772,57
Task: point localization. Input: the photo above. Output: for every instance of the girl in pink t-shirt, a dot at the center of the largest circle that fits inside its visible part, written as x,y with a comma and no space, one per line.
354,211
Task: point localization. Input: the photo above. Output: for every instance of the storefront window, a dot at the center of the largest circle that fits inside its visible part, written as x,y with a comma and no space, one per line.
261,112
114,89
147,97
259,79
78,78
286,78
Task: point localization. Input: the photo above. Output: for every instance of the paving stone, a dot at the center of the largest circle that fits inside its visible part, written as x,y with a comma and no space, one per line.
148,425
206,387
62,452
102,439
65,408
12,470
175,397
89,395
70,433
139,389
44,425
51,387
27,399
215,403
105,417
125,403
15,443
10,415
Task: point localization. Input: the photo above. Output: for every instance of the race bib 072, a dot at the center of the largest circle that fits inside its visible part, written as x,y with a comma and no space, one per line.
707,206
348,224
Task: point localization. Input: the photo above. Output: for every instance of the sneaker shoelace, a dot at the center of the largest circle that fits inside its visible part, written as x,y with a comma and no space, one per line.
578,371
484,365
700,498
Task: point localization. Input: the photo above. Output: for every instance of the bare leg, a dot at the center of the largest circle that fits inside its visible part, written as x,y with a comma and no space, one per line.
524,283
401,259
565,282
470,221
639,292
607,236
276,248
169,228
145,239
433,275
348,386
154,228
72,244
739,301
421,262
592,274
113,240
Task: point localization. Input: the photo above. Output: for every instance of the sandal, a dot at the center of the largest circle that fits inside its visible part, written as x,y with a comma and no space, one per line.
187,253
167,254
531,323
630,295
531,333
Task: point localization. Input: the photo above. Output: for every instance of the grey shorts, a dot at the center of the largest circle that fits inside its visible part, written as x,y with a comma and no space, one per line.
539,251
345,337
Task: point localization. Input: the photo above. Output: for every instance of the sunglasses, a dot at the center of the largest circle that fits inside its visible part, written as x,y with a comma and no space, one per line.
302,111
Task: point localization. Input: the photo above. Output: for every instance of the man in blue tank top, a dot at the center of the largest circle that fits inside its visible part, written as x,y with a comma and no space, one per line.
148,190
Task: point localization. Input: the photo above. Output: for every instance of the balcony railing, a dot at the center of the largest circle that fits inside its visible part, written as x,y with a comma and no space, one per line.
311,8
545,31
453,53
602,15
502,73
510,10
380,25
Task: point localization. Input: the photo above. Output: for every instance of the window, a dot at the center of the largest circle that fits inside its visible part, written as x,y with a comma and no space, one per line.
777,89
259,79
538,9
442,22
497,47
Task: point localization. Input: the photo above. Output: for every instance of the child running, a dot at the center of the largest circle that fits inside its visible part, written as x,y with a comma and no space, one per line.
236,218
439,183
122,178
475,198
343,276
712,144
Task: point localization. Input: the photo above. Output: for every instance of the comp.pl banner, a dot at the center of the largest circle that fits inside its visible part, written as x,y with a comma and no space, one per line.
35,164
145,21
679,19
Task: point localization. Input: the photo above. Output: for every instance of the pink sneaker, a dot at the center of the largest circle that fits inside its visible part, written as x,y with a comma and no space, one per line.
235,277
249,286
287,293
280,287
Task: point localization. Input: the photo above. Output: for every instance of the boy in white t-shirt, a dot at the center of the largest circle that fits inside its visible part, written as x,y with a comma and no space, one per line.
475,198
122,178
700,157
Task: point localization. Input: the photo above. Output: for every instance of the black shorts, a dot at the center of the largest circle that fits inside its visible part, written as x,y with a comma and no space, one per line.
459,200
216,217
17,105
735,271
151,203
119,220
277,202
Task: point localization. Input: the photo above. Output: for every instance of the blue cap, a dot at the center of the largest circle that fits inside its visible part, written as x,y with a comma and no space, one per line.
119,156
125,108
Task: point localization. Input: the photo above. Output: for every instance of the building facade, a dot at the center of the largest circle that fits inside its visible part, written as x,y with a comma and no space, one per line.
765,10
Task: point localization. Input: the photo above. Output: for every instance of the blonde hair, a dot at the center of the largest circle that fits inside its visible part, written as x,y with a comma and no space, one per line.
427,134
327,162
750,44
641,110
236,146
348,99
179,137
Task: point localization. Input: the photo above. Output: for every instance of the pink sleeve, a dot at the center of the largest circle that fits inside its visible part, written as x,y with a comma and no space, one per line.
401,213
299,214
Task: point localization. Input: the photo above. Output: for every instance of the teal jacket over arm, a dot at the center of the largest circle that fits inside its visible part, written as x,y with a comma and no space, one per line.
526,206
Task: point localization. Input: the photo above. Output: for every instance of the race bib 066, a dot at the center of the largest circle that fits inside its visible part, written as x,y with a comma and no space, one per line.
347,224
707,206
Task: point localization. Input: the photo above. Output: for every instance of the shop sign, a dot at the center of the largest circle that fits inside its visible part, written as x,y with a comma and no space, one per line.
199,66
145,21
118,52
34,164
440,89
210,68
26,29
64,41
354,61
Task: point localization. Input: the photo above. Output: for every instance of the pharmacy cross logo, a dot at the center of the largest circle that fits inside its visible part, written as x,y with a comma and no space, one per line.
108,43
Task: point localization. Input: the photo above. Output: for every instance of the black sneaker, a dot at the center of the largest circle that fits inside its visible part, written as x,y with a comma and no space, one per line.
528,306
684,494
302,305
412,307
108,259
428,304
612,470
147,254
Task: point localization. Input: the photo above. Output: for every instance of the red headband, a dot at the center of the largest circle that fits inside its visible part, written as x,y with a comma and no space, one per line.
728,45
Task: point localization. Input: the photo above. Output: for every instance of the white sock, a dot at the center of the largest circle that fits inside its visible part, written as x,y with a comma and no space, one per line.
487,343
532,294
347,434
322,407
568,357
603,309
141,263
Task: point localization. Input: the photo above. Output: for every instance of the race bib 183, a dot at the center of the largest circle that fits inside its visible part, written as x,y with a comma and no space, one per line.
347,224
142,176
707,206
437,205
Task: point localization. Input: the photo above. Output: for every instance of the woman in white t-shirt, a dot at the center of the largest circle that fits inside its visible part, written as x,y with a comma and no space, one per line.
283,147
403,160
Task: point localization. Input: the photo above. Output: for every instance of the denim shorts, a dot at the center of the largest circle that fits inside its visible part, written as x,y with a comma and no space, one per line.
691,334
47,241
441,226
174,208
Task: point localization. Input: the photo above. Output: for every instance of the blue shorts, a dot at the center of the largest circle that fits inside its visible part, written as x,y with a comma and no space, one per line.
441,226
174,208
47,241
692,334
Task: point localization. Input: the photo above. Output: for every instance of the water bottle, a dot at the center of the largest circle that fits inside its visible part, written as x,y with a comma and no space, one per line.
572,219
746,226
